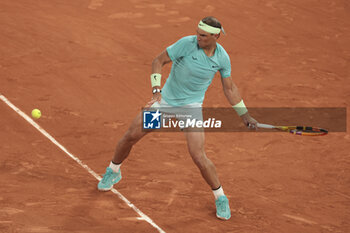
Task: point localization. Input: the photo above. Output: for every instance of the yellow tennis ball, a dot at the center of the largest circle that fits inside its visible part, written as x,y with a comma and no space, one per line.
36,114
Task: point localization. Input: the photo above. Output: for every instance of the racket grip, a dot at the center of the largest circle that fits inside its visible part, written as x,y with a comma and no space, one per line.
265,126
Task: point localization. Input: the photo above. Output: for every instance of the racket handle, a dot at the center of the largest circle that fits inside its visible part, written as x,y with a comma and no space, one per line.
265,126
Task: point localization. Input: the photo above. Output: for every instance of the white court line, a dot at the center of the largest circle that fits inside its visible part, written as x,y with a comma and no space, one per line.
86,167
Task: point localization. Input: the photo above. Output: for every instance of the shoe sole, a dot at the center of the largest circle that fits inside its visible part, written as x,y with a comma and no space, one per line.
104,189
222,218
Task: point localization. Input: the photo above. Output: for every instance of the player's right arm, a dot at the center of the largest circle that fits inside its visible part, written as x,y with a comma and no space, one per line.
233,96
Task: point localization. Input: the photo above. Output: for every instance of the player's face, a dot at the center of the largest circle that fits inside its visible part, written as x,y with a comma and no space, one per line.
205,39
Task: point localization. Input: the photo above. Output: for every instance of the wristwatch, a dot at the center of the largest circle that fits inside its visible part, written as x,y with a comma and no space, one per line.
155,90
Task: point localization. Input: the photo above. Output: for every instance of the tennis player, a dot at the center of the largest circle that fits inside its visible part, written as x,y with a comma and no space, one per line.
195,60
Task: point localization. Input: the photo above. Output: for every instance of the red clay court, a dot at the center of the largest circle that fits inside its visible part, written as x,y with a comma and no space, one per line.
86,64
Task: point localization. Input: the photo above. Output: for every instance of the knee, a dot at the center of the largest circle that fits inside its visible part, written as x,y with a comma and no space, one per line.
200,160
130,137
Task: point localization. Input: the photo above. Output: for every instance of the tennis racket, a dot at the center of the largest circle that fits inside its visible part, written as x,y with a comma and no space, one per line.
297,130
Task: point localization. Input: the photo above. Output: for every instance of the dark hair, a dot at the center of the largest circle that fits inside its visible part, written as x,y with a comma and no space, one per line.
212,21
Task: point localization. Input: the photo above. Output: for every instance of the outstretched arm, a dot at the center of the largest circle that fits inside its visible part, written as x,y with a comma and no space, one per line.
235,99
231,91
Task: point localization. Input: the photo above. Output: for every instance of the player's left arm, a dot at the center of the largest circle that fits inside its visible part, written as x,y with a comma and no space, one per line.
234,98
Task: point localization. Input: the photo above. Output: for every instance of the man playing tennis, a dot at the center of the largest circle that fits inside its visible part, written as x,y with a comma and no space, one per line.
195,60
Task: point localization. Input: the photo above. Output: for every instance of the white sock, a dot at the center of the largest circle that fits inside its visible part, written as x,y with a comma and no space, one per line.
115,167
218,192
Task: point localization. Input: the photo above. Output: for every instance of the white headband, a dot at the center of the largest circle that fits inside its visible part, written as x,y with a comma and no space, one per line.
208,28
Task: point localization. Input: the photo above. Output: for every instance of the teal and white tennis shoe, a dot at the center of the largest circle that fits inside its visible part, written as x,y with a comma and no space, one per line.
109,179
222,208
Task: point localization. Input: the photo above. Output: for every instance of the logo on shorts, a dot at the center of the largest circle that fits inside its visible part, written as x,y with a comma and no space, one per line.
152,119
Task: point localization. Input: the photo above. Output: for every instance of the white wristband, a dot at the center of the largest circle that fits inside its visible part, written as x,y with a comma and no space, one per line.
155,79
240,108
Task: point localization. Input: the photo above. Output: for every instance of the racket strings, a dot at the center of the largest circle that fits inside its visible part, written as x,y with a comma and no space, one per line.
307,130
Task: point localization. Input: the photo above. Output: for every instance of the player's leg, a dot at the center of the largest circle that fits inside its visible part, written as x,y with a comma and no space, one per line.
130,138
195,143
124,146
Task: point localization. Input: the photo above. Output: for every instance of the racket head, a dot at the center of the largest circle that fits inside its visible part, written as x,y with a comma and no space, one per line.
306,131
297,130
